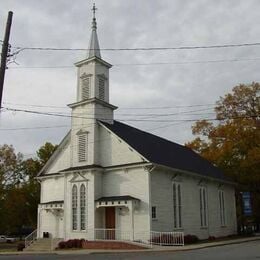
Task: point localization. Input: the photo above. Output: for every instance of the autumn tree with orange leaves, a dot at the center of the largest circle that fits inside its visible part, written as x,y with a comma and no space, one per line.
232,141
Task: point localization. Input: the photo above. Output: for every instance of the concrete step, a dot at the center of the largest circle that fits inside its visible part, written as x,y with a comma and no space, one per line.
40,245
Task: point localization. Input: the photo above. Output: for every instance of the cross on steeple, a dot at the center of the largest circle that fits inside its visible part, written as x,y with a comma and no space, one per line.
94,10
94,50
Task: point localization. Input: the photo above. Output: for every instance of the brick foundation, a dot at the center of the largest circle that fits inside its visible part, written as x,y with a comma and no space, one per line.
109,245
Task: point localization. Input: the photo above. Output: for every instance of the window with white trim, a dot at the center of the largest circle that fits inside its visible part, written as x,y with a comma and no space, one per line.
203,207
82,147
177,205
82,207
85,88
101,86
154,212
222,207
74,204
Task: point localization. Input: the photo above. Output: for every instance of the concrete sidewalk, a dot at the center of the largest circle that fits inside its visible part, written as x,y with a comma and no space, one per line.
154,249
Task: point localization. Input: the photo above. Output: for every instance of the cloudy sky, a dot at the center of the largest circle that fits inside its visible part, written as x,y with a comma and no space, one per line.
142,83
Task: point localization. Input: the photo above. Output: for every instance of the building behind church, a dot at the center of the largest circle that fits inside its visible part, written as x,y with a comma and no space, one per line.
106,175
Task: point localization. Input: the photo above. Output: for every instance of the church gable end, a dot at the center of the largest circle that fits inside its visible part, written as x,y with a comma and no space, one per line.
115,151
60,158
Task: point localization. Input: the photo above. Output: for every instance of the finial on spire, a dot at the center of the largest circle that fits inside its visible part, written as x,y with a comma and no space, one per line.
94,10
94,50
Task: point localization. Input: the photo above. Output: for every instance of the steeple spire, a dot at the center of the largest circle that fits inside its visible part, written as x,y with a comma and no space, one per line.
94,50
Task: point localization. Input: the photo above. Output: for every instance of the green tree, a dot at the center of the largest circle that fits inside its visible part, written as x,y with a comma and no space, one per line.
19,190
233,143
45,152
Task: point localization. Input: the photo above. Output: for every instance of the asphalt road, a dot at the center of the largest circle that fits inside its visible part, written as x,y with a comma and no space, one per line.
243,251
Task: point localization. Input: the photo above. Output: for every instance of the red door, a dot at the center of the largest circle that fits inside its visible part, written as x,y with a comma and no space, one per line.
110,223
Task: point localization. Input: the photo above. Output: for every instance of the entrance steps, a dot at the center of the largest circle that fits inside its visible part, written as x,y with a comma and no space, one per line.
41,244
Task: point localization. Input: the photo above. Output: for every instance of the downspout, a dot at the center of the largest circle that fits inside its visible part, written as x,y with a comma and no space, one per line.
150,193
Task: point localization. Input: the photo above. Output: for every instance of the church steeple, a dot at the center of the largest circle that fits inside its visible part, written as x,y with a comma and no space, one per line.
94,50
92,104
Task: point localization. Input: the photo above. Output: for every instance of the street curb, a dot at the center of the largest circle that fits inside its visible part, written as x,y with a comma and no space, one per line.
152,250
176,249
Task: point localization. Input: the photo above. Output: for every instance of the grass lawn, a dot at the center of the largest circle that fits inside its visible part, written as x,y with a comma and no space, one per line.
8,247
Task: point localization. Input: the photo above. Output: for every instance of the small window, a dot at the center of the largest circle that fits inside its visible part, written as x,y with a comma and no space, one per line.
154,212
101,83
82,147
85,86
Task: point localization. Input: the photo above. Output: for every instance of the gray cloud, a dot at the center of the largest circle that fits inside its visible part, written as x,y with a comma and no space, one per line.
146,23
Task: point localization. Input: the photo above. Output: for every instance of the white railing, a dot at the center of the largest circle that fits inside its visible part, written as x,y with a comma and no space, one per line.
30,238
143,237
112,234
167,238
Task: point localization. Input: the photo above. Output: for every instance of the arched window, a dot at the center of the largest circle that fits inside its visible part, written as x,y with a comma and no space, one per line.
82,207
74,203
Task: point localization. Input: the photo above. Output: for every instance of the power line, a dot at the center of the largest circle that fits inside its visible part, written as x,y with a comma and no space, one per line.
129,120
188,112
123,108
22,48
147,64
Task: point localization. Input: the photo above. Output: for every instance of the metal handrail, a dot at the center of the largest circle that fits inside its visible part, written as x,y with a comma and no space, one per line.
30,238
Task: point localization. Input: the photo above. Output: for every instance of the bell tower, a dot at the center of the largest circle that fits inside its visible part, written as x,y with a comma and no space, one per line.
92,102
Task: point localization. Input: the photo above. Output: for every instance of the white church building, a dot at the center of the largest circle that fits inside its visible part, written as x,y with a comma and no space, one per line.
109,176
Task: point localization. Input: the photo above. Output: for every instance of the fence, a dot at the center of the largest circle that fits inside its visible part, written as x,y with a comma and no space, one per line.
167,238
112,234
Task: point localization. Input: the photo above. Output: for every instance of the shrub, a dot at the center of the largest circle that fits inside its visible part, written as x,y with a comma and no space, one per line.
20,246
190,239
78,243
62,245
211,238
71,243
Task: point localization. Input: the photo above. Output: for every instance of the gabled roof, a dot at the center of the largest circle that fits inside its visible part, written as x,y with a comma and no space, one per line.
164,152
61,145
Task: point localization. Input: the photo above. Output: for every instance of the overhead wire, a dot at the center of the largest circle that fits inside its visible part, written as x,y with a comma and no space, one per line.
121,108
122,120
22,48
147,64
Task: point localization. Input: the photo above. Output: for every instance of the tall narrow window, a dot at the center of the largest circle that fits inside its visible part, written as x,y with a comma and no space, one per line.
74,207
82,147
85,87
154,212
177,205
101,84
203,207
222,207
82,207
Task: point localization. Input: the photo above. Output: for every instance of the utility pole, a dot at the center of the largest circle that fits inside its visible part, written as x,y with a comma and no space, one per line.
4,53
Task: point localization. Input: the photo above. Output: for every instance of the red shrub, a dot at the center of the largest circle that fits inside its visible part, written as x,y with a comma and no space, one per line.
190,239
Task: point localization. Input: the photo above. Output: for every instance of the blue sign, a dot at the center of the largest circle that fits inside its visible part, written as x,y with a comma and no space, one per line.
247,206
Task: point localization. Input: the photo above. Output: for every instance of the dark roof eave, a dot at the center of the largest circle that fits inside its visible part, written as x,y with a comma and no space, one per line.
115,198
195,174
84,167
53,202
